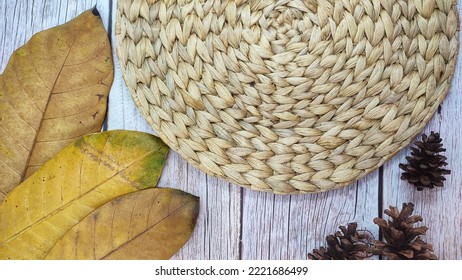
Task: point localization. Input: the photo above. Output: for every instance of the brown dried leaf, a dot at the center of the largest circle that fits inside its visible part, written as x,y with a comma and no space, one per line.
90,172
53,90
149,224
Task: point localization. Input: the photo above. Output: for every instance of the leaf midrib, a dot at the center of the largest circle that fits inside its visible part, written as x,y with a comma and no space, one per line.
24,172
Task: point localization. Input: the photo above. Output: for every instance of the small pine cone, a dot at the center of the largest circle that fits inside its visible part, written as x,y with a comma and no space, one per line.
349,244
402,240
425,165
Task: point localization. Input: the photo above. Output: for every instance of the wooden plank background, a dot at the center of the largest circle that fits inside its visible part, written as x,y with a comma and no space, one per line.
236,223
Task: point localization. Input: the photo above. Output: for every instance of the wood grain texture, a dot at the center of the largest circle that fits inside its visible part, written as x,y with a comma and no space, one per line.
243,224
289,227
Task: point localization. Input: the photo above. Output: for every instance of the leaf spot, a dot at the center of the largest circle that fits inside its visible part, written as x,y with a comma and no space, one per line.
95,216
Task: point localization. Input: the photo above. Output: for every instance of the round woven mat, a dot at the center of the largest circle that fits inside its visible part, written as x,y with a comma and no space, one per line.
287,96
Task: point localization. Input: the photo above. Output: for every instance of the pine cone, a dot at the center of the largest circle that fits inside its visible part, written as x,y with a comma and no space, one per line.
349,244
425,168
402,241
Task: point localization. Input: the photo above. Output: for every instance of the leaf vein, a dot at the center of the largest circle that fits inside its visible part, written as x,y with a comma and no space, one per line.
72,115
85,87
9,166
23,89
58,140
14,110
12,137
147,229
86,61
48,49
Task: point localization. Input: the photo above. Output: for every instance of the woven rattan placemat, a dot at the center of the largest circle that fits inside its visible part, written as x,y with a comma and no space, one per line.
287,96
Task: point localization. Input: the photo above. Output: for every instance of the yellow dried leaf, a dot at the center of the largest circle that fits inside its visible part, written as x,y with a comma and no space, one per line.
53,90
149,224
85,175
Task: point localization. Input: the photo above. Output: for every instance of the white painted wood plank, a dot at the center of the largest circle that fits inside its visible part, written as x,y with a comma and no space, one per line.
439,207
289,227
216,235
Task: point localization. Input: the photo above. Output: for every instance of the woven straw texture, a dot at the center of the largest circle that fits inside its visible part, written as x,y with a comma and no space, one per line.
285,96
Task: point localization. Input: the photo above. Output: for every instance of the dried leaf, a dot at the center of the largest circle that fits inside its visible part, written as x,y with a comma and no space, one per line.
53,91
86,174
149,224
